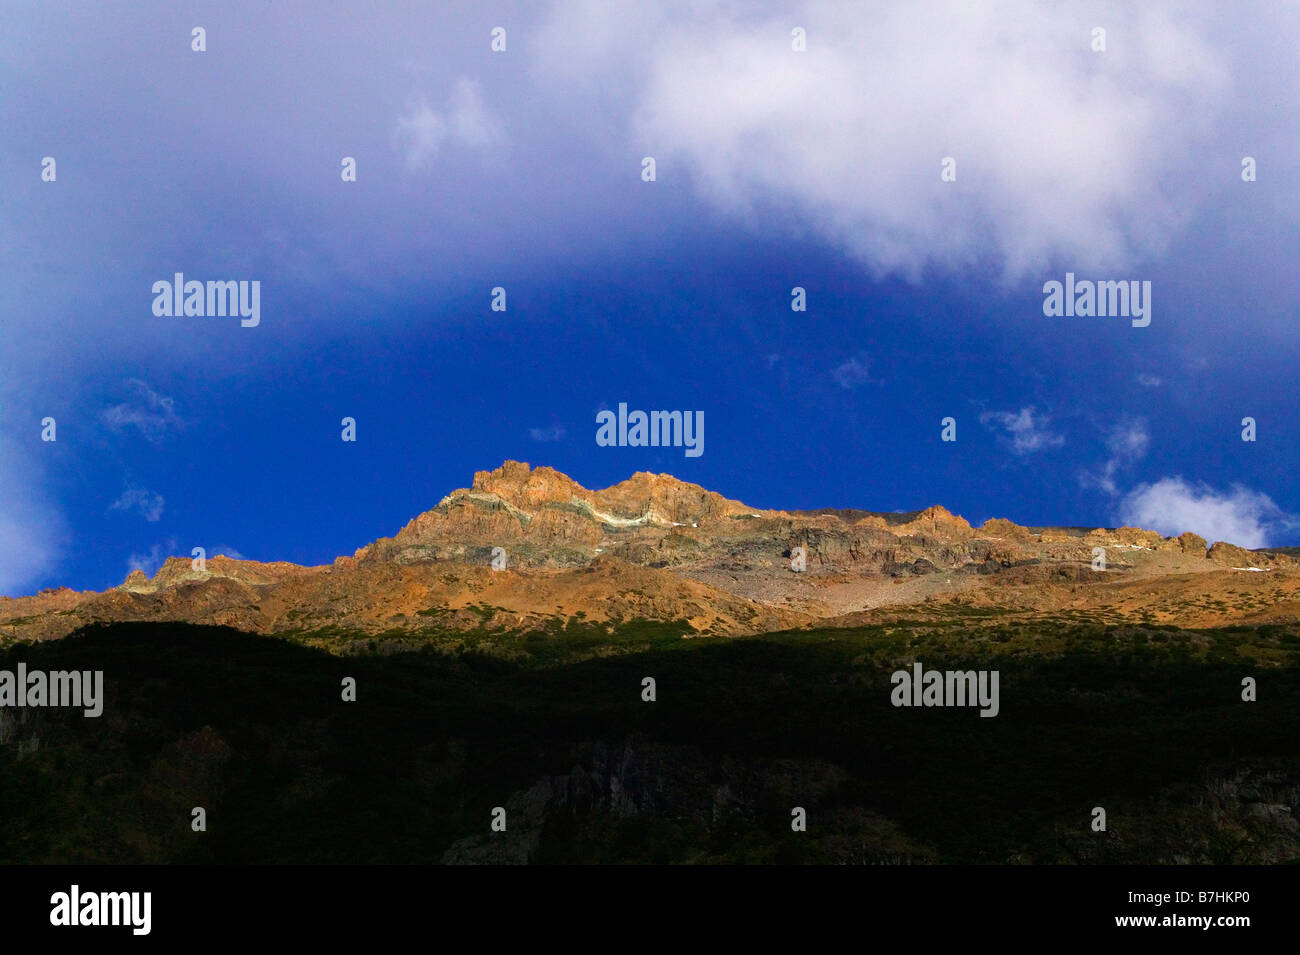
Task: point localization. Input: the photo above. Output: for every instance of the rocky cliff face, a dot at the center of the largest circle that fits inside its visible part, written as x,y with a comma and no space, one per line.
523,546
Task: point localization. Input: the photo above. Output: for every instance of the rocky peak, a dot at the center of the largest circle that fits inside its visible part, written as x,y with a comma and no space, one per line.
936,518
137,580
525,487
669,498
1004,529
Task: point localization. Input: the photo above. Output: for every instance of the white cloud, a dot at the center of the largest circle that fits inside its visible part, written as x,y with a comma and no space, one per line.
1149,381
150,504
546,435
29,526
1127,442
150,562
853,372
422,132
157,555
1063,154
1027,430
1172,506
153,415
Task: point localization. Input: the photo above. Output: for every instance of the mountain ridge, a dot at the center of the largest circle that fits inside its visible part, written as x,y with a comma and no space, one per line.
522,547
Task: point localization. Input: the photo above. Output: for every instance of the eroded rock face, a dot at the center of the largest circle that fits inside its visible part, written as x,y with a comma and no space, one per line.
1004,530
137,582
523,546
1234,556
1138,537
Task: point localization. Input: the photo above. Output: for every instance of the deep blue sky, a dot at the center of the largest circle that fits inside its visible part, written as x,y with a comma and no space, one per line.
522,169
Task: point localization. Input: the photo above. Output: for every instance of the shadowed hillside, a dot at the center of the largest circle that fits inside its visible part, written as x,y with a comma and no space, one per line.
1144,721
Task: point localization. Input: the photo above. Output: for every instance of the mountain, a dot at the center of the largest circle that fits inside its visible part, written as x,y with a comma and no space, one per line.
771,692
660,549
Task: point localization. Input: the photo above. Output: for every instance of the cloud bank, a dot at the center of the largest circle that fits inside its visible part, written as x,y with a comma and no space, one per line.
1172,506
1062,153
